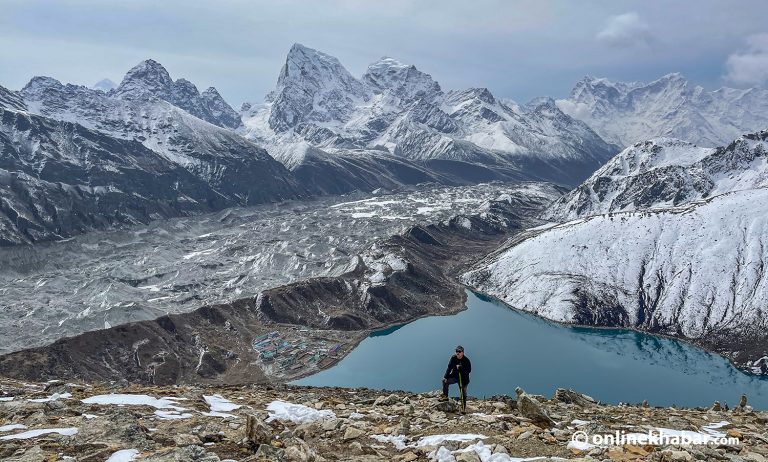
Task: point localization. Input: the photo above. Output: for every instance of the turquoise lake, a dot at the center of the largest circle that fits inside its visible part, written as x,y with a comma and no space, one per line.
509,348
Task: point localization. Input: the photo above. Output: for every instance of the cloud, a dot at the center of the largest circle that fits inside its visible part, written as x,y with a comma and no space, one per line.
625,30
750,66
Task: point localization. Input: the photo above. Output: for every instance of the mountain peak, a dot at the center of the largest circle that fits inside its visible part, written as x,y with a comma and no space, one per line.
303,63
313,86
148,78
403,80
39,82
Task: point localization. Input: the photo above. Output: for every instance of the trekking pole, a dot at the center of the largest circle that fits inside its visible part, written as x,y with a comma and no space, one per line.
461,392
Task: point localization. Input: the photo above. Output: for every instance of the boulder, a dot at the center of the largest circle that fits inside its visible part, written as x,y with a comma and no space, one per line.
256,431
299,451
390,400
185,439
469,456
448,406
532,409
352,433
571,397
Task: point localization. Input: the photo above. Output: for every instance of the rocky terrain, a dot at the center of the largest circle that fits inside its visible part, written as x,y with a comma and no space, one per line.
123,422
625,113
394,280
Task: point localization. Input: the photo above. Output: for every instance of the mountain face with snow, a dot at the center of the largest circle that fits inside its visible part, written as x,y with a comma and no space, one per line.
11,100
59,179
627,113
75,159
666,172
149,79
694,272
320,111
669,238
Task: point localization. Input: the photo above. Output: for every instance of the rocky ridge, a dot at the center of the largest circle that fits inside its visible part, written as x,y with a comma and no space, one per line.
93,422
665,172
625,113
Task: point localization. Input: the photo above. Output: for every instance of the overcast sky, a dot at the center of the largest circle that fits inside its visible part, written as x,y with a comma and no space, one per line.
517,48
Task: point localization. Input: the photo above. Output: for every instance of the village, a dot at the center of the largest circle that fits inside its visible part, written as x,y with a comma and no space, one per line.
291,353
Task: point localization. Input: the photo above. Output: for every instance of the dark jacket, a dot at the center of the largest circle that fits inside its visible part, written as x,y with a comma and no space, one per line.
464,370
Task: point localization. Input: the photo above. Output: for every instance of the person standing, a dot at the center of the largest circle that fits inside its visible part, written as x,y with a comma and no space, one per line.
457,372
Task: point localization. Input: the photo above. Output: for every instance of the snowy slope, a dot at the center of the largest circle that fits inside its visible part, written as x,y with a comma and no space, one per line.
695,272
11,100
625,113
59,179
397,109
666,172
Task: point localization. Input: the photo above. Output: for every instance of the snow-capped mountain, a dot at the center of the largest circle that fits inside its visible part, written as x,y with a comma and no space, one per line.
668,238
627,113
666,172
397,110
104,85
59,179
75,159
694,272
149,79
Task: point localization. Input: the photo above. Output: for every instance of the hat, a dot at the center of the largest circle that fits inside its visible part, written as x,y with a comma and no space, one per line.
459,348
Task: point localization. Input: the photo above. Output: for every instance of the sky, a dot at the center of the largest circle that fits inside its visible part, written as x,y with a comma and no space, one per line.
519,49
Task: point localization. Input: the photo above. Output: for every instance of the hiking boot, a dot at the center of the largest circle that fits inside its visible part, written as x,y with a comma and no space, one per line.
443,398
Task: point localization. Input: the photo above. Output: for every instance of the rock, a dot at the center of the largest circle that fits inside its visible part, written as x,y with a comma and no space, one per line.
185,439
753,457
525,435
469,456
352,433
120,427
187,453
676,456
299,451
386,400
356,448
532,409
571,397
632,449
270,453
404,427
500,449
33,454
448,406
306,430
407,457
331,424
256,431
